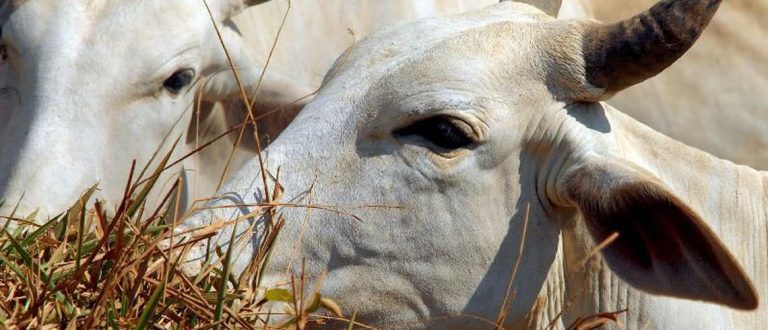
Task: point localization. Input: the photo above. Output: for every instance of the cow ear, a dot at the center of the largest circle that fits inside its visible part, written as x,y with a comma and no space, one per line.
551,7
663,247
268,91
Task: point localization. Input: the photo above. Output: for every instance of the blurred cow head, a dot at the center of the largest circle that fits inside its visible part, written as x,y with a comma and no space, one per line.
88,86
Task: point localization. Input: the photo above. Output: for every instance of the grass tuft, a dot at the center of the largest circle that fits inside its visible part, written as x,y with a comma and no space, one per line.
89,268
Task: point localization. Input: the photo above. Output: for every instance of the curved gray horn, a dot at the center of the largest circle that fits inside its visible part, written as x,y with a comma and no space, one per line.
551,7
622,54
231,8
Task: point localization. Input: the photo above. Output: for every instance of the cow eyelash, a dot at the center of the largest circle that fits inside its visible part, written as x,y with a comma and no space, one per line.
441,131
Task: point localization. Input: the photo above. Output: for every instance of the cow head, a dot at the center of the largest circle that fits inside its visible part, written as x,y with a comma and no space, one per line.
88,86
451,137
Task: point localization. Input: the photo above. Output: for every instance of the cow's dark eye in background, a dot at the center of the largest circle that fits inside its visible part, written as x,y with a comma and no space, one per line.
178,80
3,51
441,131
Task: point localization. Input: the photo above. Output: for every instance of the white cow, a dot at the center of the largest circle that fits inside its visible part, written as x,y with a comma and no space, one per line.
87,86
471,135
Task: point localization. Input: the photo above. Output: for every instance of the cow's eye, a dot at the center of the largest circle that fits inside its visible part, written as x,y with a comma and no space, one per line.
445,132
3,52
3,49
178,80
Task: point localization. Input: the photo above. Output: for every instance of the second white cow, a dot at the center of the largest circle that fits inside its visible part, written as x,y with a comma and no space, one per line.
484,168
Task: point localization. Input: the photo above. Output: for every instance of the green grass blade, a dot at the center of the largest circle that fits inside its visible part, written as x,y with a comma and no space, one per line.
79,249
39,231
14,268
28,262
156,229
146,314
8,220
219,311
111,317
25,257
17,231
16,207
123,304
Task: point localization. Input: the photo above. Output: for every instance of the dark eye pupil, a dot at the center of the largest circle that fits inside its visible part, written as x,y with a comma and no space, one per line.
178,80
438,130
3,54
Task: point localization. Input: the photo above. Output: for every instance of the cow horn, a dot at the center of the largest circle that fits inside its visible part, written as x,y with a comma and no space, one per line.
231,8
248,3
551,7
623,54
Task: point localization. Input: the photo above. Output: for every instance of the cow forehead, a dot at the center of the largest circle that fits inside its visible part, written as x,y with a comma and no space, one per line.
76,43
437,64
36,24
391,47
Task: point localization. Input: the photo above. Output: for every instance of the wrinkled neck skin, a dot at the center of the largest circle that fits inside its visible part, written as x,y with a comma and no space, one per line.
729,197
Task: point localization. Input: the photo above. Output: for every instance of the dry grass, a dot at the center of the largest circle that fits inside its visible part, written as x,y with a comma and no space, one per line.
90,269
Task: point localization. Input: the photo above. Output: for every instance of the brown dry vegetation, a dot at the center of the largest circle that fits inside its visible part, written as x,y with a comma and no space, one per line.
89,269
